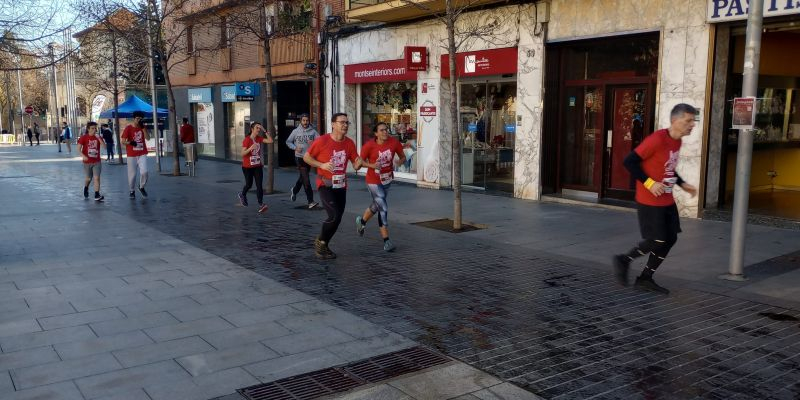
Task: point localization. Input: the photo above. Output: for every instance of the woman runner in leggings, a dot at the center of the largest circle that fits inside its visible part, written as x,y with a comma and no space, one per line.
378,156
253,165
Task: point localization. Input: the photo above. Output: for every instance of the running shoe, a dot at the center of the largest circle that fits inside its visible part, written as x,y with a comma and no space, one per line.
388,246
99,198
294,195
312,204
85,192
242,199
262,208
621,264
360,226
132,194
649,284
322,251
143,192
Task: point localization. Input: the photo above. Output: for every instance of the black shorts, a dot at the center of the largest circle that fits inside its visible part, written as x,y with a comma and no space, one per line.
659,222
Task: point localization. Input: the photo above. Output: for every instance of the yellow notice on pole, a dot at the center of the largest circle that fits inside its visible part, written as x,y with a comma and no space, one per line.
744,112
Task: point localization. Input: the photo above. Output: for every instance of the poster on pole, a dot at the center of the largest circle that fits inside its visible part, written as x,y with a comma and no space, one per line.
744,112
205,123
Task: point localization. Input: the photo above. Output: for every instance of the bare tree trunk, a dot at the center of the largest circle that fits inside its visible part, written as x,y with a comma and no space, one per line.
456,136
176,161
115,62
270,123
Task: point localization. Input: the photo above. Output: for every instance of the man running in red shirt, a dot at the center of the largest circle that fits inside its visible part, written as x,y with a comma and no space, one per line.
653,163
378,156
134,136
89,149
253,165
329,155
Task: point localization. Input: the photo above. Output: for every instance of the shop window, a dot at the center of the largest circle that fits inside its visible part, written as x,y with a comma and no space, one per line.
393,103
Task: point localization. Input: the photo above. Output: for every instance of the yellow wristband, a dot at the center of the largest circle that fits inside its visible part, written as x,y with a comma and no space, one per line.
649,183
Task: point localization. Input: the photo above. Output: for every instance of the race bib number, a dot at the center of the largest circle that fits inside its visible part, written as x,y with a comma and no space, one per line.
339,181
255,160
386,178
92,153
669,183
139,146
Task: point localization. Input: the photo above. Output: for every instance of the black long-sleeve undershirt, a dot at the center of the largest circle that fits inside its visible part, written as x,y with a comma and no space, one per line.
633,163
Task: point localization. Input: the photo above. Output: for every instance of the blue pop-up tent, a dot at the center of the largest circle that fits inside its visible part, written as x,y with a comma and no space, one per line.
133,104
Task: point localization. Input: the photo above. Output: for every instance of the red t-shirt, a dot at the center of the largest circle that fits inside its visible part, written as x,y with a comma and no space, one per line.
659,153
91,148
326,149
132,133
382,154
187,133
253,158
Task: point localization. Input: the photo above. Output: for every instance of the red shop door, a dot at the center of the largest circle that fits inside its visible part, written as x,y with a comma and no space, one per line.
628,121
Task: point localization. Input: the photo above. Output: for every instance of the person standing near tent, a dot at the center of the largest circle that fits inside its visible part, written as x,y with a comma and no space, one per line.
134,137
108,137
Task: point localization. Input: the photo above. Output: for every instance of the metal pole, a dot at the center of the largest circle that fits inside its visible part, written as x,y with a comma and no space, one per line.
55,96
21,106
151,72
744,152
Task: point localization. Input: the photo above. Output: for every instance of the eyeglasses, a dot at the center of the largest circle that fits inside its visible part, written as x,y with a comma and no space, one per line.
344,122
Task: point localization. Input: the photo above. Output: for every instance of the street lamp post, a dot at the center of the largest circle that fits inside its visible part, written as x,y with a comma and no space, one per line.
744,152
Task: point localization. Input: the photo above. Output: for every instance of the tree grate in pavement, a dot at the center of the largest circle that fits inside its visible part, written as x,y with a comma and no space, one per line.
343,378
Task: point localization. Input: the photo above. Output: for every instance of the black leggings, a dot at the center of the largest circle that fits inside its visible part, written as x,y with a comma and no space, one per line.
334,201
257,174
303,180
658,250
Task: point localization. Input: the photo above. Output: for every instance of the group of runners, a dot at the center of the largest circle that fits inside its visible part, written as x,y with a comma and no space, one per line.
134,136
329,154
653,164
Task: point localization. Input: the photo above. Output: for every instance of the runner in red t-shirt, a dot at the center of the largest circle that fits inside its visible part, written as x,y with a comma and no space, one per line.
135,138
379,157
253,164
653,163
329,155
89,149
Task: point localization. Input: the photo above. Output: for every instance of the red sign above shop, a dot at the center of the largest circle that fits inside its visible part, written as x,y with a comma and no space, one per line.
382,71
416,58
482,62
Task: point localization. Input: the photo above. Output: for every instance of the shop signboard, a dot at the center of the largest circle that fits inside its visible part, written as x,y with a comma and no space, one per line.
482,62
381,71
733,10
744,112
247,91
427,149
416,58
200,95
228,94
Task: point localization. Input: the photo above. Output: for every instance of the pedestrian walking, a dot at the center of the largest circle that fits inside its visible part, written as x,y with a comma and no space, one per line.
329,154
134,136
300,140
108,137
37,132
65,137
253,164
89,149
30,135
653,164
187,137
378,156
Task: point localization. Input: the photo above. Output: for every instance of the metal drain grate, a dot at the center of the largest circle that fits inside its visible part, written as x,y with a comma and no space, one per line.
343,378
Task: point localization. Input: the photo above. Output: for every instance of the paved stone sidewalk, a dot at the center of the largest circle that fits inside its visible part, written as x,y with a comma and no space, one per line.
95,305
529,299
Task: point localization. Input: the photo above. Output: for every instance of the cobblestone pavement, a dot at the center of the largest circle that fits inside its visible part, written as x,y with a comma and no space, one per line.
547,323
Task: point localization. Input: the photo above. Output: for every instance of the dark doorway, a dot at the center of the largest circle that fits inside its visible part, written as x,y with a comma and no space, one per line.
293,98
